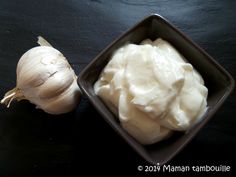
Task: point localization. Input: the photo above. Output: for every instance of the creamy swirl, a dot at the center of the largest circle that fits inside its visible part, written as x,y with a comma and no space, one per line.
153,90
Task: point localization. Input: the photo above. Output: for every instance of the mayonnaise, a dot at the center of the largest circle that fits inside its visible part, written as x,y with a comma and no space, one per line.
153,90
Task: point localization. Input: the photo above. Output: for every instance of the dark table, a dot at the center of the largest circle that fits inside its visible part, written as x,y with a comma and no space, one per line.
33,143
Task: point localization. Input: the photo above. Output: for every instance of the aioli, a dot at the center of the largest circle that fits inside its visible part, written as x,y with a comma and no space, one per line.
153,90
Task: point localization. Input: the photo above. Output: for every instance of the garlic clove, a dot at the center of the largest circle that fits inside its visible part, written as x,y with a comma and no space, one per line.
63,103
56,84
34,56
29,61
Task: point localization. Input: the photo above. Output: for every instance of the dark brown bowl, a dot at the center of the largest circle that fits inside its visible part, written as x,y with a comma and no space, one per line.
218,81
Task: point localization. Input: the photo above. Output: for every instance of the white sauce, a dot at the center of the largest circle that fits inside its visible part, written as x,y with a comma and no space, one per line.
153,89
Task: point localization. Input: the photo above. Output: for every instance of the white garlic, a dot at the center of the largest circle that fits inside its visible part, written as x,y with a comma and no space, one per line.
46,79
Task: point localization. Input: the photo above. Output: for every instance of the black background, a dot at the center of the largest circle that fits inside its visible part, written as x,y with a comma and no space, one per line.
33,143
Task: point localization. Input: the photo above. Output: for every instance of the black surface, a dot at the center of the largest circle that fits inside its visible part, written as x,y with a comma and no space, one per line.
33,143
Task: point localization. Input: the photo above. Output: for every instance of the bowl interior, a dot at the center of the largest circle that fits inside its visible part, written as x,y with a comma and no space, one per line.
217,80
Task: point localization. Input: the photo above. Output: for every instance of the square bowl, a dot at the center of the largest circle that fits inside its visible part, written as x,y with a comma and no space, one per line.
218,81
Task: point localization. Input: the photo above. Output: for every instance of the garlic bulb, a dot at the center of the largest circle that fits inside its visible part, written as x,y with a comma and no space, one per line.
46,79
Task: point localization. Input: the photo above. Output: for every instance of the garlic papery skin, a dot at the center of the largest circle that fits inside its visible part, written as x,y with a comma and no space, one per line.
46,79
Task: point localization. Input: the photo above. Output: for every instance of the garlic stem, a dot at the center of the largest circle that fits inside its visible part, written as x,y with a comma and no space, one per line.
42,42
12,94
